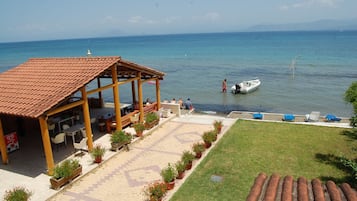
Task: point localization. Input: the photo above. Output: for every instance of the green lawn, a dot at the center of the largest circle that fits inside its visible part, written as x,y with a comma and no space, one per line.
251,147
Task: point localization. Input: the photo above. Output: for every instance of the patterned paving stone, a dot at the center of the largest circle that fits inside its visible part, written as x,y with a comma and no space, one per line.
138,177
124,176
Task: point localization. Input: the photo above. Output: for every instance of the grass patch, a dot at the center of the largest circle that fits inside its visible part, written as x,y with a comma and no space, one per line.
251,147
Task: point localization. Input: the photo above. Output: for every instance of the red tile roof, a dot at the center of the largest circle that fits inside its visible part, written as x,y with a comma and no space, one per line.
34,87
286,189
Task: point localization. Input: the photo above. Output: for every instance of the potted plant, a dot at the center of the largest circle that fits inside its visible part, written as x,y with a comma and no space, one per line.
97,153
187,157
139,129
119,139
198,148
209,137
114,140
151,119
18,194
180,168
218,126
169,174
65,172
155,191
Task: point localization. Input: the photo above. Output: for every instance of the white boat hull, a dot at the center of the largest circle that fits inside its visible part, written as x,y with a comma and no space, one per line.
247,86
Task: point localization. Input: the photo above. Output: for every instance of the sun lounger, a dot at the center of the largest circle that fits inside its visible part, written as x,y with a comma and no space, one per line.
257,116
313,116
331,117
288,117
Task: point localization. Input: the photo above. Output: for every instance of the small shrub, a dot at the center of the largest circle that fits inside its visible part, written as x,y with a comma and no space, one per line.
151,117
169,173
209,136
139,127
120,137
180,166
155,191
66,168
198,147
98,151
17,194
187,157
351,165
217,124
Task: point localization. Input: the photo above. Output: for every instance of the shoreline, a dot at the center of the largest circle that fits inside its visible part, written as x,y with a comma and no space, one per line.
299,119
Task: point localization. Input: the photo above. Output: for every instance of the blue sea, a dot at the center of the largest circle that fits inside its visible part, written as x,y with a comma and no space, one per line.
196,64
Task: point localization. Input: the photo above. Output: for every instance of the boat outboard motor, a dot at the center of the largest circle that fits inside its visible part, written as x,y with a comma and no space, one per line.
237,89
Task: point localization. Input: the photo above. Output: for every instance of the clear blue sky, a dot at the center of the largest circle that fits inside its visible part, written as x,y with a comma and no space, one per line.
23,20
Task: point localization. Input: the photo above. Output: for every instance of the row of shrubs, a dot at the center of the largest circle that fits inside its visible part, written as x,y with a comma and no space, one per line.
158,189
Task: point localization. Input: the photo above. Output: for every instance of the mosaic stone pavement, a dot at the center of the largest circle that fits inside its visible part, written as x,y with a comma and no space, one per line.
124,176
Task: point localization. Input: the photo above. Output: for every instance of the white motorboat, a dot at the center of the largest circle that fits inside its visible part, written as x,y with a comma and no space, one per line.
246,86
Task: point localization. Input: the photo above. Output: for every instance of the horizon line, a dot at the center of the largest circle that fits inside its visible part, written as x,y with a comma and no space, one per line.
187,33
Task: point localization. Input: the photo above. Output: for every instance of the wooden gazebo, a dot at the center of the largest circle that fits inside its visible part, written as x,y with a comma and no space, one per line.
40,88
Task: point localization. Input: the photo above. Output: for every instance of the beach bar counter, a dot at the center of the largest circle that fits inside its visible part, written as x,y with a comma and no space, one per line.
42,89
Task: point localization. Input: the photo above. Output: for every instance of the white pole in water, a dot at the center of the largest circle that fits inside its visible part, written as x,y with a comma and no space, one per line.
292,65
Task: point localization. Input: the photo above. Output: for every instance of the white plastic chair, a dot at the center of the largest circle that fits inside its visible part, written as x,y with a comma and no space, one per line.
93,120
65,126
84,133
135,118
81,145
59,139
51,128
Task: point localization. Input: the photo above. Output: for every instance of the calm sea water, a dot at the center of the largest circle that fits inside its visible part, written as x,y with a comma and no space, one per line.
196,64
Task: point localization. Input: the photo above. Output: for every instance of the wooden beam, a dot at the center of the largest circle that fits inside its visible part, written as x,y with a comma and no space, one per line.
86,117
100,89
3,149
127,72
128,80
148,80
65,107
110,86
116,99
46,145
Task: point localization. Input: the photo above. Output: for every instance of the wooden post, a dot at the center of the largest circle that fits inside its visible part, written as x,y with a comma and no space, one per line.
140,94
3,149
158,94
86,117
100,92
116,98
133,92
47,145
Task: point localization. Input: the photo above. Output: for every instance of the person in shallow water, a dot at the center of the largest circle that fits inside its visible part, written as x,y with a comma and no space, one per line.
224,86
237,89
188,104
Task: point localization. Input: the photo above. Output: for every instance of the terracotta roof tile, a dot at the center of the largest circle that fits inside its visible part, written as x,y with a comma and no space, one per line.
37,85
285,189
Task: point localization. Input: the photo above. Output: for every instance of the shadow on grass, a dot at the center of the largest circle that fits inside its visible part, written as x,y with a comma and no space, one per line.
331,159
352,134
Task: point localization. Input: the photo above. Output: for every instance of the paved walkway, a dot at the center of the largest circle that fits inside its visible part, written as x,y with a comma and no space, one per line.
124,176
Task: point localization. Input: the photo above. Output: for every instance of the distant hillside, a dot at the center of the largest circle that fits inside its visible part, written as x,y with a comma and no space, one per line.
313,26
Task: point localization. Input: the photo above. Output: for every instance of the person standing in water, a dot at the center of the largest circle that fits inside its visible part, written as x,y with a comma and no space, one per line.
224,86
